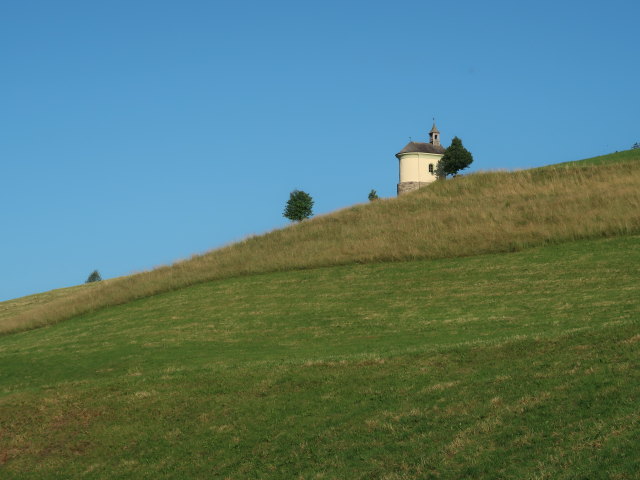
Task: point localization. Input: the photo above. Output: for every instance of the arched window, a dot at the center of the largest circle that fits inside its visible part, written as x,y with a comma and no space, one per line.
431,168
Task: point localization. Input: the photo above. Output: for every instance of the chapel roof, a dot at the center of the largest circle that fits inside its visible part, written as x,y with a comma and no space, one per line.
434,129
414,147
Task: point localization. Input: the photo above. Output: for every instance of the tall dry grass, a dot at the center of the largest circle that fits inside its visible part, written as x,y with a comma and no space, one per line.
471,215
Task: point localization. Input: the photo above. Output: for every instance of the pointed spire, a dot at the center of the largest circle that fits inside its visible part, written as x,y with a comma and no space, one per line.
434,129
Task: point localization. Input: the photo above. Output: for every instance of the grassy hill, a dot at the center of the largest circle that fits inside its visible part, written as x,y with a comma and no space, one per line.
471,215
512,366
493,331
611,158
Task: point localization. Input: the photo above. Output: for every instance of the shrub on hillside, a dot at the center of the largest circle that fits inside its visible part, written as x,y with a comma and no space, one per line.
299,206
94,277
373,195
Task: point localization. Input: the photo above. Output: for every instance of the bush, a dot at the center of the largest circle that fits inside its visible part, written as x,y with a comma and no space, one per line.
94,277
299,206
373,195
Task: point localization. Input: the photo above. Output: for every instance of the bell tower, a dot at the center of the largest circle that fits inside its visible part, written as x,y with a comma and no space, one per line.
434,135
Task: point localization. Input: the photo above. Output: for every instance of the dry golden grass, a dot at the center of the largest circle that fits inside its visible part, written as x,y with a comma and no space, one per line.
17,306
470,215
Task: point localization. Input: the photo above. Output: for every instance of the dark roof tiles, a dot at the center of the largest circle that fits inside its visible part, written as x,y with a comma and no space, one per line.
414,147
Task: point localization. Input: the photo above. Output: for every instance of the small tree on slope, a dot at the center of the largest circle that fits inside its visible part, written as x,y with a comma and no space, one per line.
455,158
94,277
299,206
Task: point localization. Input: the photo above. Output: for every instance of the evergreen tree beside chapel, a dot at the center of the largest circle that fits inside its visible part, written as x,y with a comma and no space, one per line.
455,158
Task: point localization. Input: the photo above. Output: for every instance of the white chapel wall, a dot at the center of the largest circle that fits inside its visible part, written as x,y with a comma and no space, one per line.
414,167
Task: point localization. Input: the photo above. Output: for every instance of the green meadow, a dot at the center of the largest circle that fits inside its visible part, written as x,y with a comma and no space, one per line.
520,365
504,344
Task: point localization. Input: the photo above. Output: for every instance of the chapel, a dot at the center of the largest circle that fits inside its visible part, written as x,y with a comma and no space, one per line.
418,161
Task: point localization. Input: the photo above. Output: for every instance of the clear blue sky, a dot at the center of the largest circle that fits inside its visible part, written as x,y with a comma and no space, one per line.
137,133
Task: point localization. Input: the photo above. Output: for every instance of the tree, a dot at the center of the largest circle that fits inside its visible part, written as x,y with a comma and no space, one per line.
635,146
94,277
373,195
299,206
455,158
440,173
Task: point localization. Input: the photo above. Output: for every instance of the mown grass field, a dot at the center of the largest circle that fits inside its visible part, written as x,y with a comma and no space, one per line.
519,365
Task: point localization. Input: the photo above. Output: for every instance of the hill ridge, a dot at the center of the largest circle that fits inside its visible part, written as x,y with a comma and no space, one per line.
475,214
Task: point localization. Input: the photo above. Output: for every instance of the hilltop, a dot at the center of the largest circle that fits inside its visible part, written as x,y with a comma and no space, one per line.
494,335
